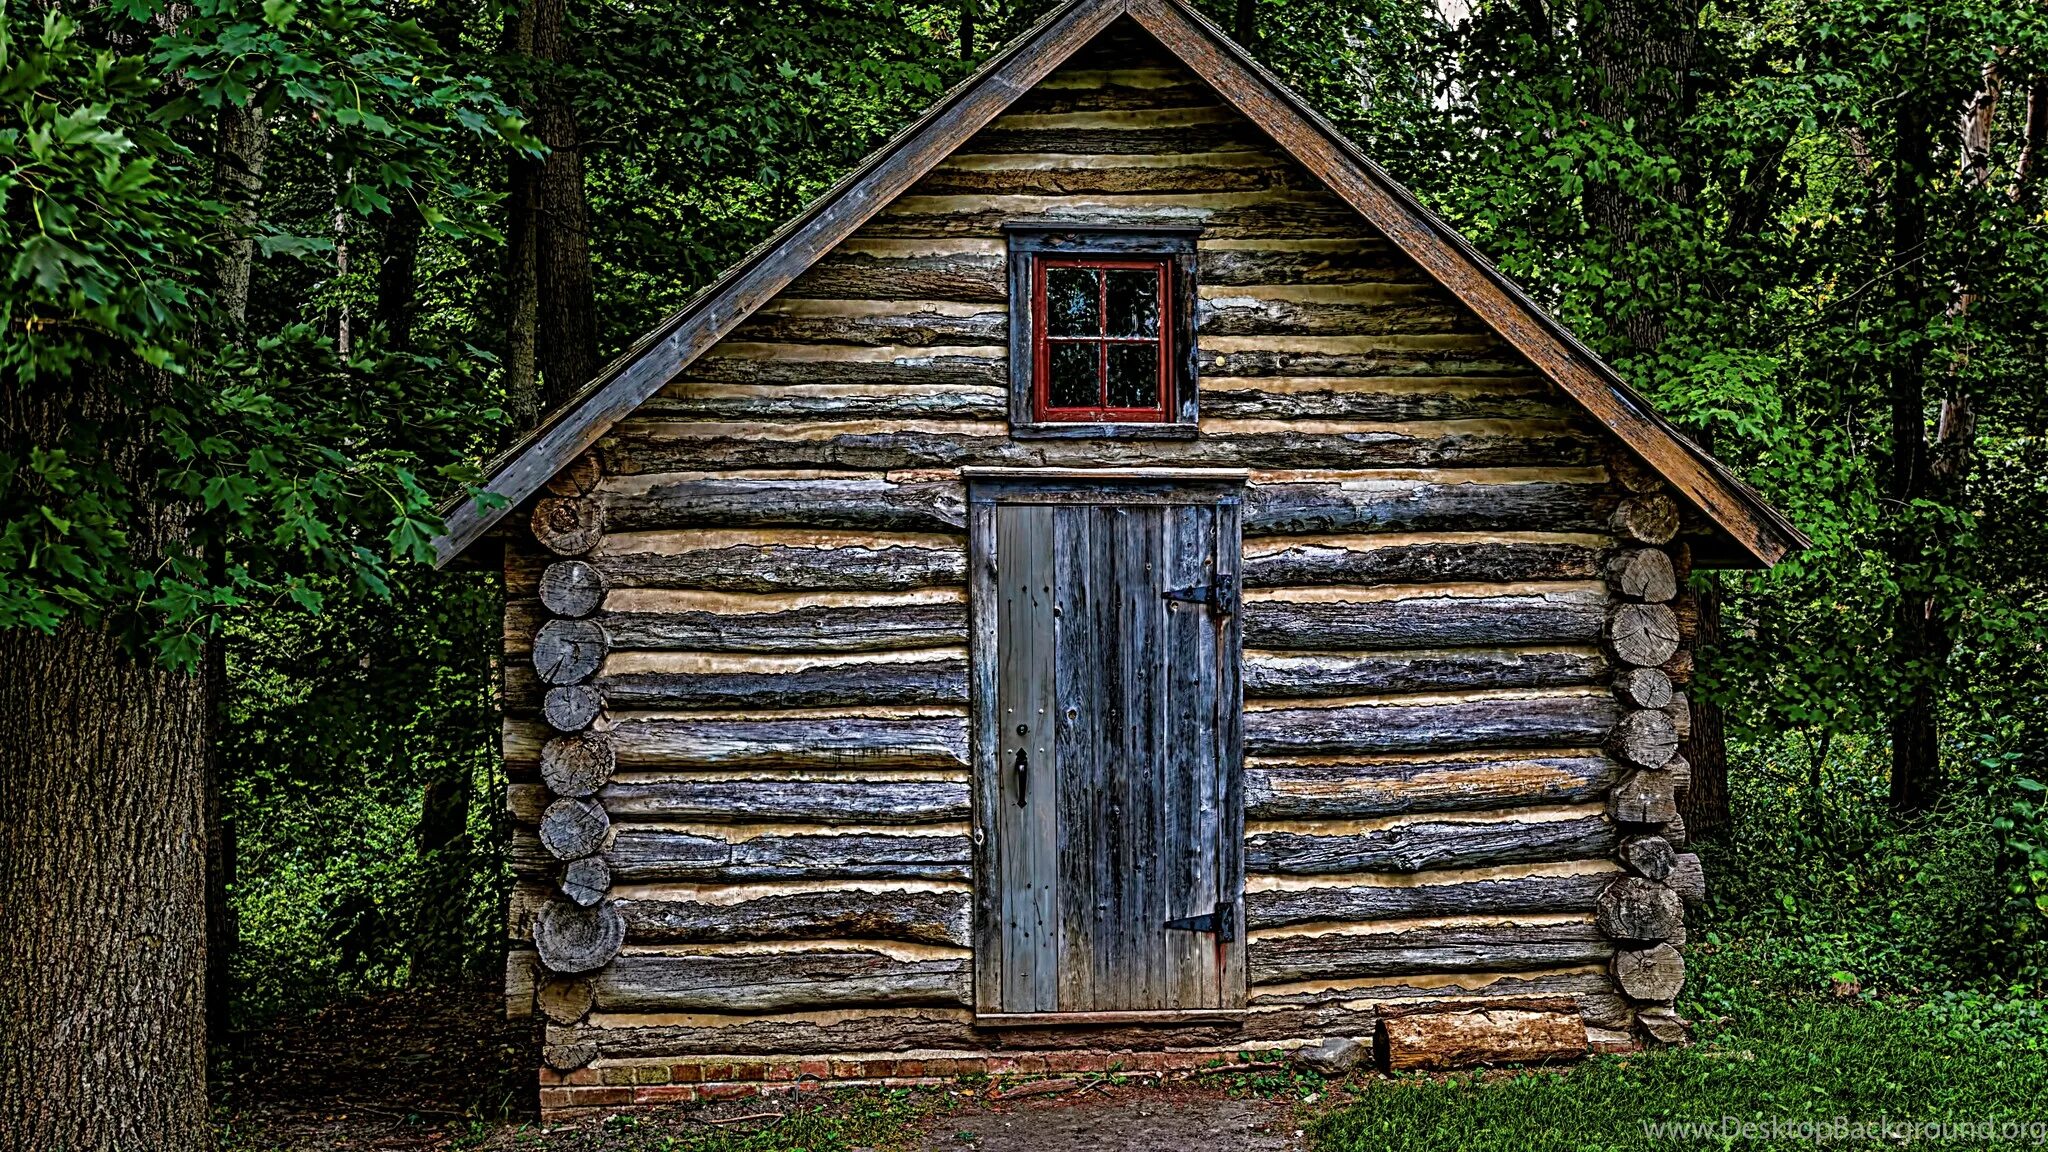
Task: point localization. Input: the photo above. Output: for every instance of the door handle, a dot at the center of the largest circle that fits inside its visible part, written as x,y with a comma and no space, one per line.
1023,767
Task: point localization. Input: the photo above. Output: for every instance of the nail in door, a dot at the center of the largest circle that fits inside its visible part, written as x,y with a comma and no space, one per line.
1113,798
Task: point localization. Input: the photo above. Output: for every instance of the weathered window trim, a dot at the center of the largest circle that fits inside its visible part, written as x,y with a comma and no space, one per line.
1028,240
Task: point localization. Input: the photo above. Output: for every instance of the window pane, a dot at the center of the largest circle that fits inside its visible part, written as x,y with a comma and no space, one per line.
1072,302
1073,380
1133,302
1134,376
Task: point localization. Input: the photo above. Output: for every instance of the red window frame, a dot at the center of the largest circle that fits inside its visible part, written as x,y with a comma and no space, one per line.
1042,341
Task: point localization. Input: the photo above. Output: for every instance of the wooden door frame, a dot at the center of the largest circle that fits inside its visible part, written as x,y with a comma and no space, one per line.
987,488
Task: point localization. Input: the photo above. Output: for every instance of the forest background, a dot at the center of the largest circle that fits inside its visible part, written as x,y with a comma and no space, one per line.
283,271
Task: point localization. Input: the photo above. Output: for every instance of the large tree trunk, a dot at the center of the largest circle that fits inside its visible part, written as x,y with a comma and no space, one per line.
1919,633
1642,51
102,861
566,333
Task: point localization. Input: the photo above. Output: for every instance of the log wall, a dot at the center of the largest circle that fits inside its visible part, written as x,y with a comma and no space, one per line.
737,656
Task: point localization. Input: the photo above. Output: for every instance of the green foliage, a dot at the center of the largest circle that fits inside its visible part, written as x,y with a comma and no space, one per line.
1768,1054
342,727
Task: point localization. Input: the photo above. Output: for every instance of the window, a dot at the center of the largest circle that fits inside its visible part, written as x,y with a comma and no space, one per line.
1102,348
1101,339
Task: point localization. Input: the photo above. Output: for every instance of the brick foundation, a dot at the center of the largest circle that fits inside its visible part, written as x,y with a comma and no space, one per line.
612,1085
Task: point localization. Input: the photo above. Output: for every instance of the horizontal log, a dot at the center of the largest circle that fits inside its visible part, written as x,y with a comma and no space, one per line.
875,503
779,981
1365,354
877,323
1645,738
772,799
1467,1039
744,403
1283,504
1426,844
1399,398
916,915
1329,310
1570,892
827,627
1221,215
1118,141
929,676
655,740
1346,260
1342,791
1425,948
780,561
899,1029
651,854
1643,687
973,272
577,764
586,881
1643,574
1001,174
949,366
1397,724
643,445
1120,83
1361,560
1646,796
1270,675
572,828
1643,634
1649,520
1424,618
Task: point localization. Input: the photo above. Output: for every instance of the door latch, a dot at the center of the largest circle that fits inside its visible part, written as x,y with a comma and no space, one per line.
1220,595
1222,922
1023,767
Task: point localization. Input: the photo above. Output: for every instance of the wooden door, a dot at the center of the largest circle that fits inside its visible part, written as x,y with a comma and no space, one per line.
1111,801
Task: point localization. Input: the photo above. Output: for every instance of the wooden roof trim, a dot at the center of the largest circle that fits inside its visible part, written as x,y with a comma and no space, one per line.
628,381
1761,530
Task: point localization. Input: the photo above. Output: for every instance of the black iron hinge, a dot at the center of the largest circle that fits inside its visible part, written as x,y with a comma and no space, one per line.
1219,594
1222,922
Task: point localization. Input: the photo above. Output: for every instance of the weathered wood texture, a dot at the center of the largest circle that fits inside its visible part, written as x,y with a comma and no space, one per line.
758,598
1424,843
920,914
1425,946
1463,1039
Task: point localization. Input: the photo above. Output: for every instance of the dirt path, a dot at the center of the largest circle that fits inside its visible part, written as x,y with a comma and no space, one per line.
1171,1118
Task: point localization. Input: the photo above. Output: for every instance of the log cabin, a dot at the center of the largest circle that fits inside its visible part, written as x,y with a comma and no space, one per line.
1115,583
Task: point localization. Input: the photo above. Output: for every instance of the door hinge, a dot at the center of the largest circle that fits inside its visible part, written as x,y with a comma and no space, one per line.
1222,921
1219,594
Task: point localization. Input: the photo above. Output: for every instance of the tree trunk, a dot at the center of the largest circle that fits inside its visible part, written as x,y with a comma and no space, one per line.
1918,630
566,330
522,289
242,148
1704,803
397,271
968,10
1245,27
102,858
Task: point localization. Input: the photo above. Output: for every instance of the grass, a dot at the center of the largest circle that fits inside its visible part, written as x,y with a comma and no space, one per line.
1767,1054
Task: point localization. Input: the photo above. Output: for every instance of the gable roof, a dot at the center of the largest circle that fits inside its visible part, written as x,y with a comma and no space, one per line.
1760,531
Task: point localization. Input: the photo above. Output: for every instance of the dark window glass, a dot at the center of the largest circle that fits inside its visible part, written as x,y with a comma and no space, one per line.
1133,375
1073,301
1133,302
1071,377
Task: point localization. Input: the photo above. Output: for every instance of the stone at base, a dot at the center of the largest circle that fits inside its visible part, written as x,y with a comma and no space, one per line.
1335,1056
1665,1026
1611,1042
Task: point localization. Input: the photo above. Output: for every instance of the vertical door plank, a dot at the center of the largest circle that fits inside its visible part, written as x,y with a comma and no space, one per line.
1227,713
985,615
1028,868
1077,699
